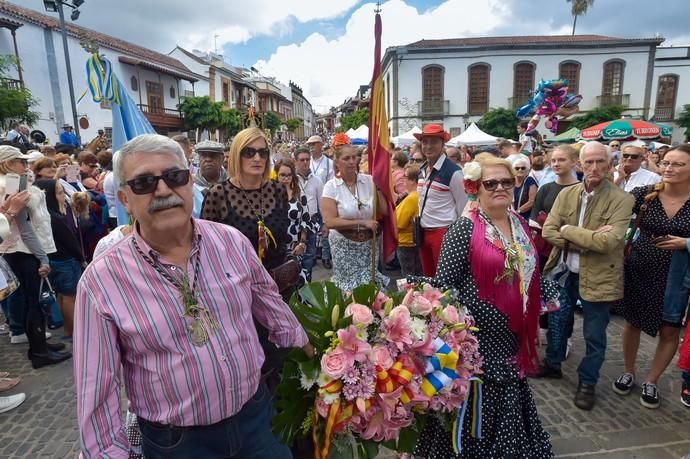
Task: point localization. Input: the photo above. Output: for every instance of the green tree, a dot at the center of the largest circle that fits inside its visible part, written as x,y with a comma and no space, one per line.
272,122
231,122
15,103
293,124
578,8
598,115
354,120
684,119
500,122
201,113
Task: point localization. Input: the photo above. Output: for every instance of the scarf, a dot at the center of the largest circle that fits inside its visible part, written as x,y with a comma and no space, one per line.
200,181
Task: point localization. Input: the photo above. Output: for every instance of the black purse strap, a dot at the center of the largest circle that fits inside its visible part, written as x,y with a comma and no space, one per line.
426,195
636,225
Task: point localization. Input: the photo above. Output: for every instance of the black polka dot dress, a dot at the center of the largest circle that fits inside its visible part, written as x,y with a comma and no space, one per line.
647,268
510,423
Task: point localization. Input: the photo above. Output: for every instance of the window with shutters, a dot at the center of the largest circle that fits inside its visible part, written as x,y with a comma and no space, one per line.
523,82
613,78
432,90
570,71
478,89
666,93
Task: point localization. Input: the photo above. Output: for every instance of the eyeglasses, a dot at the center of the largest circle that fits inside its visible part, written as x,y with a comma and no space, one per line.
146,184
284,176
673,165
418,160
304,160
615,145
520,168
249,152
629,156
492,185
92,165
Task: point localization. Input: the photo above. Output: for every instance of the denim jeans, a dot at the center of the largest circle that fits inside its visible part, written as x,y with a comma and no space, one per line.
245,435
595,321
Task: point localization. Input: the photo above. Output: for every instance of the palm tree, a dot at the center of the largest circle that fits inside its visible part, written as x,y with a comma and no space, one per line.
577,8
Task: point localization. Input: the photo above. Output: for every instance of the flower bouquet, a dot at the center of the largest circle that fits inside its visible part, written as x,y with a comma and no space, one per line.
382,365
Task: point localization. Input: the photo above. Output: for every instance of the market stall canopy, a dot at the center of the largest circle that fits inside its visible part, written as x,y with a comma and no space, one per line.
349,132
360,136
622,129
568,136
406,139
472,136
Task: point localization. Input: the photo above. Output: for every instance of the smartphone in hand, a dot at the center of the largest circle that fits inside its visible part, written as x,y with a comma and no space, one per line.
11,184
23,182
72,173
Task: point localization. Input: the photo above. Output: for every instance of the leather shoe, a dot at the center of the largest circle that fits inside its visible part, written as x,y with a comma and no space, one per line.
328,264
544,370
55,346
48,358
585,396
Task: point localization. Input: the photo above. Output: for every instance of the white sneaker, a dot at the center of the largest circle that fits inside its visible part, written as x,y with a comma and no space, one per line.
4,329
567,349
21,339
11,402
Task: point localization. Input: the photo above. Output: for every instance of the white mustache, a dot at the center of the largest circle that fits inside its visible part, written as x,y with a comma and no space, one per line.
165,203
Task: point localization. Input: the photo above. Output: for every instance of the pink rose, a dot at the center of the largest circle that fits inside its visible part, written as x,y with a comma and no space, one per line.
380,355
421,306
451,315
409,298
400,313
431,293
334,363
360,314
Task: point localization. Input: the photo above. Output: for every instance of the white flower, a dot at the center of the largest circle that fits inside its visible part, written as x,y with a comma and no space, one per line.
329,399
306,382
418,328
472,171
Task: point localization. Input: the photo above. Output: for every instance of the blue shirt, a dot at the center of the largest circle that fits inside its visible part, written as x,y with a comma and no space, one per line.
69,138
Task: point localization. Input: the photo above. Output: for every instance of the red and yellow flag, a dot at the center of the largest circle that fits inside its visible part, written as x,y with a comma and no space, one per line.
379,156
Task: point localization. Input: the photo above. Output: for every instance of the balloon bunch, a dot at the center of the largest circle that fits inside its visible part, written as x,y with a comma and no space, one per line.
551,100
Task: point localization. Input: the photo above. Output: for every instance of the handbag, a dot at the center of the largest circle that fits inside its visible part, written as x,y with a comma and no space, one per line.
417,230
633,231
286,275
8,281
46,298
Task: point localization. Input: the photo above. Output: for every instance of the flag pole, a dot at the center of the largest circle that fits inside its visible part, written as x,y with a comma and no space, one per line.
374,245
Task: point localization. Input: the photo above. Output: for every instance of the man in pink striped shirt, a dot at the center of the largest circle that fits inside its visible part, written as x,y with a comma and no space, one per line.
169,310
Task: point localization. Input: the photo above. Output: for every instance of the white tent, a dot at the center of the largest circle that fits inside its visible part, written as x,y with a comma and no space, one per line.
349,132
361,132
472,136
406,139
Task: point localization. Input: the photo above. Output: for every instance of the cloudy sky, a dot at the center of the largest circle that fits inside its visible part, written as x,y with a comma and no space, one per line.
326,46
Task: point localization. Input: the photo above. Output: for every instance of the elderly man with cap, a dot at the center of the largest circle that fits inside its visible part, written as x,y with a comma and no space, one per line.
210,171
441,195
68,137
322,167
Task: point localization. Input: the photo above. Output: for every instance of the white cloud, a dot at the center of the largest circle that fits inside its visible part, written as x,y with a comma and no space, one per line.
329,71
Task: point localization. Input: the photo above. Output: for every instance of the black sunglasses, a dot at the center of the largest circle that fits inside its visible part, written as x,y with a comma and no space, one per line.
249,152
492,185
629,156
418,160
146,184
520,168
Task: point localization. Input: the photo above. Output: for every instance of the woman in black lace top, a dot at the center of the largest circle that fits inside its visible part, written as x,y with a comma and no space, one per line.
249,201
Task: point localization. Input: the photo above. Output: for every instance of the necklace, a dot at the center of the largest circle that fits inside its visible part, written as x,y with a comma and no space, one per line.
201,321
513,253
264,235
354,195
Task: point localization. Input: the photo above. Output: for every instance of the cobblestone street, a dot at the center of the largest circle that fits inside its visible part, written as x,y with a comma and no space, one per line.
618,427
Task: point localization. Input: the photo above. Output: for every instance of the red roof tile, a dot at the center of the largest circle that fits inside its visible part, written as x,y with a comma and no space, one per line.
104,40
525,40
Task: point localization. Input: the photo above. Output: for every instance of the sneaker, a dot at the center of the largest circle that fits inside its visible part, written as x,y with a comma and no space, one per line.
624,384
649,398
19,339
585,397
567,348
685,395
11,402
4,329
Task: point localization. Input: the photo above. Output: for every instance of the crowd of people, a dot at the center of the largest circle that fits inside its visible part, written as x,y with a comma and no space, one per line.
526,234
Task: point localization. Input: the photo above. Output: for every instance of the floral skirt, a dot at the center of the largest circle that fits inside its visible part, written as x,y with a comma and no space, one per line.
352,263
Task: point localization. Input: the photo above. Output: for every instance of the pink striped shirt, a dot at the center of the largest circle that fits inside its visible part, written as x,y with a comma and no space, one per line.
128,315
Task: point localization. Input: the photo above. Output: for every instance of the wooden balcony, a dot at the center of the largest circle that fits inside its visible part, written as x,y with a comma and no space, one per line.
162,117
432,108
11,84
663,114
613,99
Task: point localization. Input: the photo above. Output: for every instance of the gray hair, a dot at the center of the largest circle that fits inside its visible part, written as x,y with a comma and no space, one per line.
633,144
589,145
146,143
522,160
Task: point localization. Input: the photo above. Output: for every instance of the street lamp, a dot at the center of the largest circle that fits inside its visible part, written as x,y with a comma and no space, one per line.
466,119
56,6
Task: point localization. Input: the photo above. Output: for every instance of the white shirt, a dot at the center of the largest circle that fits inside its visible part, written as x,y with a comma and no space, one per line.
110,192
641,177
445,201
352,206
527,141
573,261
322,168
312,188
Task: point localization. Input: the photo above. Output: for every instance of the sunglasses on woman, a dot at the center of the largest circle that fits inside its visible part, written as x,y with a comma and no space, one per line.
520,168
146,184
249,152
492,185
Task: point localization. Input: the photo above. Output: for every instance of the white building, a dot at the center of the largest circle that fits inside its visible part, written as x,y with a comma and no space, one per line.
155,81
455,81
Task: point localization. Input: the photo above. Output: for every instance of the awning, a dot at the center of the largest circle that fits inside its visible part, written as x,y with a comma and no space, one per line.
159,68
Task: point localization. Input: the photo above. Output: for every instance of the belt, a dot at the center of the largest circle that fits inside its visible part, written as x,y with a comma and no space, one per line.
360,235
